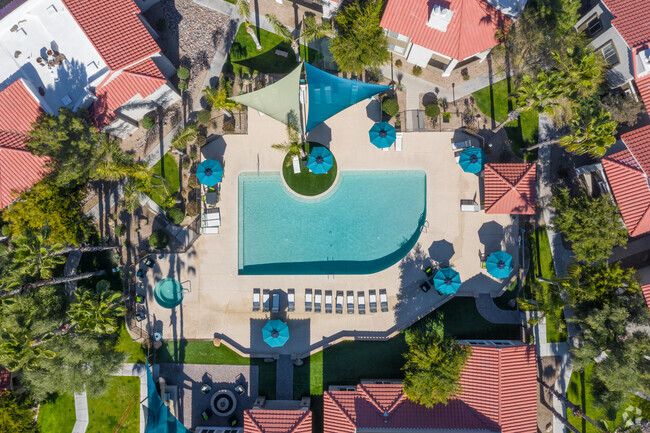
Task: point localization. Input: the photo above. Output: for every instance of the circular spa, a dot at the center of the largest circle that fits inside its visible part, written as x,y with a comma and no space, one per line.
168,293
366,222
223,403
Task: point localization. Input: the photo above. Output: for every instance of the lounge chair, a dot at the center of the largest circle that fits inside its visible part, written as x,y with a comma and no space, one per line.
425,286
275,304
296,164
328,301
372,300
350,297
266,297
386,149
398,141
291,300
361,302
317,300
210,216
211,223
383,299
205,388
210,230
149,262
256,299
339,302
308,300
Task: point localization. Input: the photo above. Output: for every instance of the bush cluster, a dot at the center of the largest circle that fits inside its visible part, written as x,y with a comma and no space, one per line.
390,107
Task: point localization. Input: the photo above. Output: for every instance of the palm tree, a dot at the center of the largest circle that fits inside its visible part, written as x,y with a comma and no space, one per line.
592,137
130,197
217,99
293,146
18,351
97,311
33,254
311,30
185,136
18,289
244,9
583,68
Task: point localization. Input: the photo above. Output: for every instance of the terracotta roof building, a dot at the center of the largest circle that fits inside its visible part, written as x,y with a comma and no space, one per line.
446,34
645,289
510,188
277,421
499,394
629,184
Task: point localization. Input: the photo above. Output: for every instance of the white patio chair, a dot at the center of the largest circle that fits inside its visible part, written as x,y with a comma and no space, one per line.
266,296
383,299
256,299
328,301
210,230
317,301
296,164
372,300
308,300
350,296
211,223
339,302
398,141
211,216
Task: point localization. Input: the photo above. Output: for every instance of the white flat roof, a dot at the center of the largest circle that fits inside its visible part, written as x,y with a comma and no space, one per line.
40,25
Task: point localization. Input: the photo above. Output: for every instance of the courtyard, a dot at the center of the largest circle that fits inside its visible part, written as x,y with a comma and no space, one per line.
219,300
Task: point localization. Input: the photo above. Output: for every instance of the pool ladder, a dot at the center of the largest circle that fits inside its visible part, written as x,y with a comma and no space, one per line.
424,227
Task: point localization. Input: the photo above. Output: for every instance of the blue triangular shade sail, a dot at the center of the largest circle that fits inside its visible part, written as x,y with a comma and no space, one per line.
382,134
446,281
275,333
159,420
499,264
472,160
209,172
320,160
329,94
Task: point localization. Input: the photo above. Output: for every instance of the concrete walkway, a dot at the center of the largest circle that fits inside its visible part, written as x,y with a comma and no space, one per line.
284,378
81,413
493,314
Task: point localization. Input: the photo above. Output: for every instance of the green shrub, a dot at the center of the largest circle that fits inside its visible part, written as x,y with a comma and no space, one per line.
398,63
193,181
390,107
161,25
119,230
194,154
228,126
446,115
148,122
158,240
6,230
204,117
192,208
182,85
432,110
175,215
417,71
183,73
186,163
465,74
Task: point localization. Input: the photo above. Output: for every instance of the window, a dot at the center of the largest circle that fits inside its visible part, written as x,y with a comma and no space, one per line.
594,26
396,48
610,54
397,36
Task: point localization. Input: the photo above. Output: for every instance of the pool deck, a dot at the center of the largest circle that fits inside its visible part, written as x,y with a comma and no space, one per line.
220,301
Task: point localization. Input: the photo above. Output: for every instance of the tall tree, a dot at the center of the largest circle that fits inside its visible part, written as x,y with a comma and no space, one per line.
17,351
591,136
97,311
593,225
34,255
310,30
433,364
244,9
16,414
359,43
185,136
115,164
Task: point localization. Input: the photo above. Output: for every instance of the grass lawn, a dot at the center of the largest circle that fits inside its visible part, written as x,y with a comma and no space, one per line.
308,183
57,415
106,411
494,103
244,58
134,351
542,265
170,183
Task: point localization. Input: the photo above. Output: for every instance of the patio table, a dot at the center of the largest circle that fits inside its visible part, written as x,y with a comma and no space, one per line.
211,197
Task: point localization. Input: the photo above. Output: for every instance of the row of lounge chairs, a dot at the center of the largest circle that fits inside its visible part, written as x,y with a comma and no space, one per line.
210,223
270,302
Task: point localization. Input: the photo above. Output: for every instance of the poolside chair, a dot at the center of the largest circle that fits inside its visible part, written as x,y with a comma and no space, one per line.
296,164
339,302
317,300
149,262
383,299
256,299
328,301
210,230
265,300
361,302
307,300
372,300
291,300
275,304
205,388
210,216
425,286
398,141
211,223
350,297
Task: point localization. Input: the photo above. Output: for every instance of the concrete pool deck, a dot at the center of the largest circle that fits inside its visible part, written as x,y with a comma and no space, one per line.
220,300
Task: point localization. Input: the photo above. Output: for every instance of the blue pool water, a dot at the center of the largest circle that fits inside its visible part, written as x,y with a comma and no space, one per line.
367,222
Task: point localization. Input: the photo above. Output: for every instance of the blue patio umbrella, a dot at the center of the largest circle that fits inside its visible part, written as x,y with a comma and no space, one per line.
275,333
446,281
320,160
472,160
499,264
209,172
382,134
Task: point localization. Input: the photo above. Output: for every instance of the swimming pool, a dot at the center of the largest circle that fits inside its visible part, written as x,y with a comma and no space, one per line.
367,222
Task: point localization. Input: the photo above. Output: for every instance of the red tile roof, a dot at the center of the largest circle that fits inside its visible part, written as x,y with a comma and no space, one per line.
510,188
646,293
499,394
5,379
638,142
277,421
142,79
19,168
631,19
114,29
630,187
471,30
643,84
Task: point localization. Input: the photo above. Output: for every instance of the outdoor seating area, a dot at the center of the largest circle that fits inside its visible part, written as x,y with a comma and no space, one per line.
314,300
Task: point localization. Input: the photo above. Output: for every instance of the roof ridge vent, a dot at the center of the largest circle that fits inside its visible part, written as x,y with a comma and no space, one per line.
440,18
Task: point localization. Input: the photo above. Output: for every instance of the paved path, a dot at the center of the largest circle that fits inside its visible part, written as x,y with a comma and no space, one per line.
493,314
81,412
284,378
